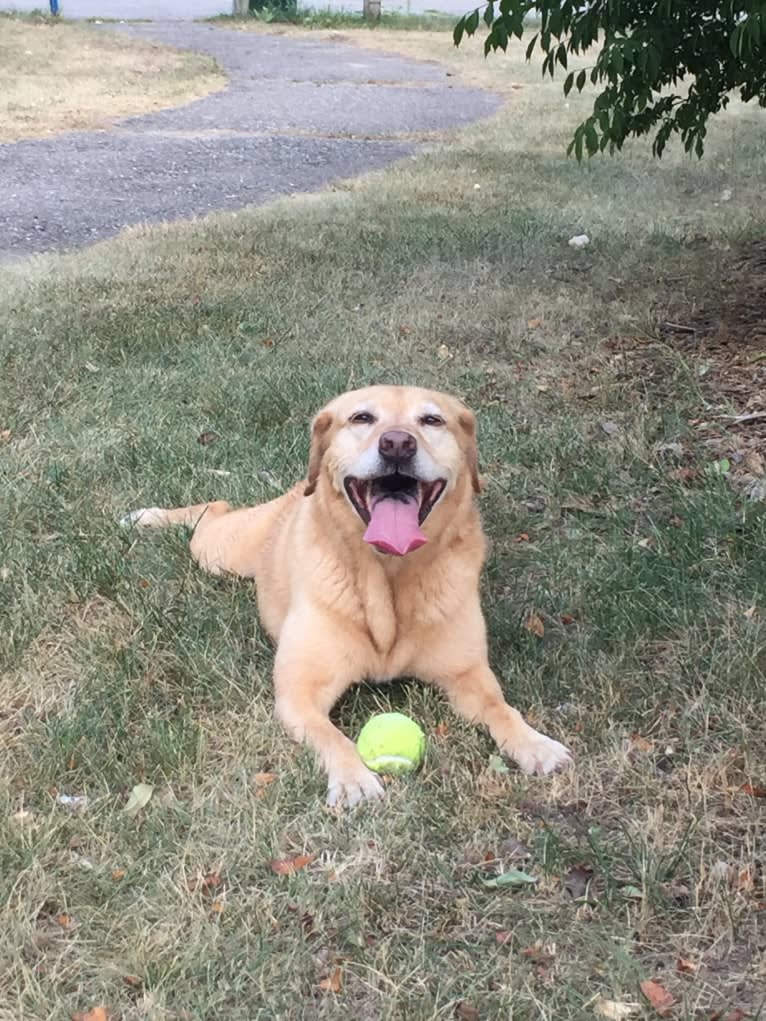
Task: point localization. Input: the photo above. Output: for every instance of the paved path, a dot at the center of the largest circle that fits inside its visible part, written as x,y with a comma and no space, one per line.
297,114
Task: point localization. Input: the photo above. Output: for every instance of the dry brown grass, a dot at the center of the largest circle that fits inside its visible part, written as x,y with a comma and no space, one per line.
59,76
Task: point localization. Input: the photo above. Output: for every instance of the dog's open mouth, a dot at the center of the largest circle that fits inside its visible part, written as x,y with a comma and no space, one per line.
394,507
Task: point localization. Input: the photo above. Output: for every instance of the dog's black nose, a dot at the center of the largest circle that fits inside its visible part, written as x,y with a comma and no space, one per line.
397,446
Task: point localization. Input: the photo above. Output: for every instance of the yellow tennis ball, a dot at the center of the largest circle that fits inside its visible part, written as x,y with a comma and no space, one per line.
391,743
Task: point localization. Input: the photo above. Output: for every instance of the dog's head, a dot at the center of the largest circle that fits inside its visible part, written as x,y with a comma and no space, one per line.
394,454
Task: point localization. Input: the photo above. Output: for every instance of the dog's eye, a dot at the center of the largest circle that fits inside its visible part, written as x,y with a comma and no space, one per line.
432,420
362,418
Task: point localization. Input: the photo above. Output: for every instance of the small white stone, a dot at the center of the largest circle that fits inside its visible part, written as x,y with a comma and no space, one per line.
579,241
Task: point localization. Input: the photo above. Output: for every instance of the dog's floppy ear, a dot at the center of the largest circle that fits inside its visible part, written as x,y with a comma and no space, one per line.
319,430
467,421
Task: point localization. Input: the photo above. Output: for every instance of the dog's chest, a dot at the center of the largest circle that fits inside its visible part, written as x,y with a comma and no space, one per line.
397,614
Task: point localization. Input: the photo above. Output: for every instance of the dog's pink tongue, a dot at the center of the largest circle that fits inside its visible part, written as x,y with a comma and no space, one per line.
394,527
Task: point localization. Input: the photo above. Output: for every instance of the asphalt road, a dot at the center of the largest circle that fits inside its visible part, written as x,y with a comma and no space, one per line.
297,115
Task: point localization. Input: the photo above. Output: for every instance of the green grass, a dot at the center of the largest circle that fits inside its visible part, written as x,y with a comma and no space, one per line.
122,663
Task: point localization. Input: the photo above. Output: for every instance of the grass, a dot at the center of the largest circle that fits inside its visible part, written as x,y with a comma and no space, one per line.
60,76
123,664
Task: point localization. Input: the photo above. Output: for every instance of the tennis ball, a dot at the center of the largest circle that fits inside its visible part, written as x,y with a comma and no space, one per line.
391,743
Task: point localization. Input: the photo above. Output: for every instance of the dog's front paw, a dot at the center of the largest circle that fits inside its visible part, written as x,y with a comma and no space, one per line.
145,517
352,785
539,754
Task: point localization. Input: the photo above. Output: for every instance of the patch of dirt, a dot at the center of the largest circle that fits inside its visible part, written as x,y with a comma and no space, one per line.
727,340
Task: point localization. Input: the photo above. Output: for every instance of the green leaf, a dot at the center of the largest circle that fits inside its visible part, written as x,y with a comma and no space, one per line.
581,80
531,47
513,877
457,32
568,83
578,141
631,892
735,41
498,765
591,137
489,15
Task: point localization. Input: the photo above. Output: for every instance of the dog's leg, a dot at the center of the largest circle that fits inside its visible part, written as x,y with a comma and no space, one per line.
307,683
190,517
476,695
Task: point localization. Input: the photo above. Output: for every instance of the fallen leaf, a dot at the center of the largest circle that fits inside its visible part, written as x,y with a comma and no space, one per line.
405,329
513,877
745,881
753,462
503,936
267,342
466,1011
522,537
206,438
441,730
118,875
289,866
754,790
264,779
498,765
443,353
685,967
750,612
96,1014
683,474
5,435
333,983
658,996
539,952
632,892
139,798
610,428
638,743
614,1009
210,881
533,324
217,907
133,981
577,881
567,619
65,921
534,625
